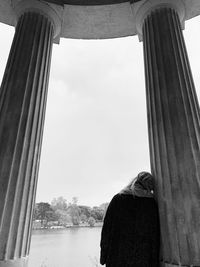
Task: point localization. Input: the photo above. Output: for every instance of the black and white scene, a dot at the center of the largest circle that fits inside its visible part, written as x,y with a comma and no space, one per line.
100,133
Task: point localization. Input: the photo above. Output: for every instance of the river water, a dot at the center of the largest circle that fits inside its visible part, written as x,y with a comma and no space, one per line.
72,247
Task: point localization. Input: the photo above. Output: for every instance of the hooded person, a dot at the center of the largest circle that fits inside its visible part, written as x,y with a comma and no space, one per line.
130,234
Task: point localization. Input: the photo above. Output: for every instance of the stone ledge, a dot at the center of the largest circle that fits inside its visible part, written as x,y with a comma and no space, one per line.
99,21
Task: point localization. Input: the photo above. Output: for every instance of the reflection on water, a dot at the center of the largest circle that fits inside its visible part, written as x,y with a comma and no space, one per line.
72,247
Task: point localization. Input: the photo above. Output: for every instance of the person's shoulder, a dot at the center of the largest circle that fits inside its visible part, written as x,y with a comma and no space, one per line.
122,197
116,197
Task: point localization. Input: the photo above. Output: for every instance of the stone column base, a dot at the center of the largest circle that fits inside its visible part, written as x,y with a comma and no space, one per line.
22,262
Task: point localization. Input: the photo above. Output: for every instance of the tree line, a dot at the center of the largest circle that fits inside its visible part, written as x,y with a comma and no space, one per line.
62,213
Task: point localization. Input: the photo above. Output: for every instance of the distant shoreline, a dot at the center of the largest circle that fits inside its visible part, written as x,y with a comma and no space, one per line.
55,228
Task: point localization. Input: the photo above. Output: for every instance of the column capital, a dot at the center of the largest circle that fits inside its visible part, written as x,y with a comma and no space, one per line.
150,5
53,12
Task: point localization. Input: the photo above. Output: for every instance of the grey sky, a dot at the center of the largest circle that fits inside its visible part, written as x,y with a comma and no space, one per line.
95,137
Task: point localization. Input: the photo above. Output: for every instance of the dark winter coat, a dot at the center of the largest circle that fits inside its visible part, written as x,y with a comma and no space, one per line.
130,233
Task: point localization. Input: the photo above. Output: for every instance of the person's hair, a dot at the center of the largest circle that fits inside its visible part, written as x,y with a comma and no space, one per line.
146,180
127,189
143,181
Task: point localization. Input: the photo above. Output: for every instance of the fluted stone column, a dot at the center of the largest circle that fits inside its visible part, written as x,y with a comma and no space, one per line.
174,132
23,97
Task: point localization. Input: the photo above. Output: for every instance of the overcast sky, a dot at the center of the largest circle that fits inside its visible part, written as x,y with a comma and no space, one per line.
95,137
